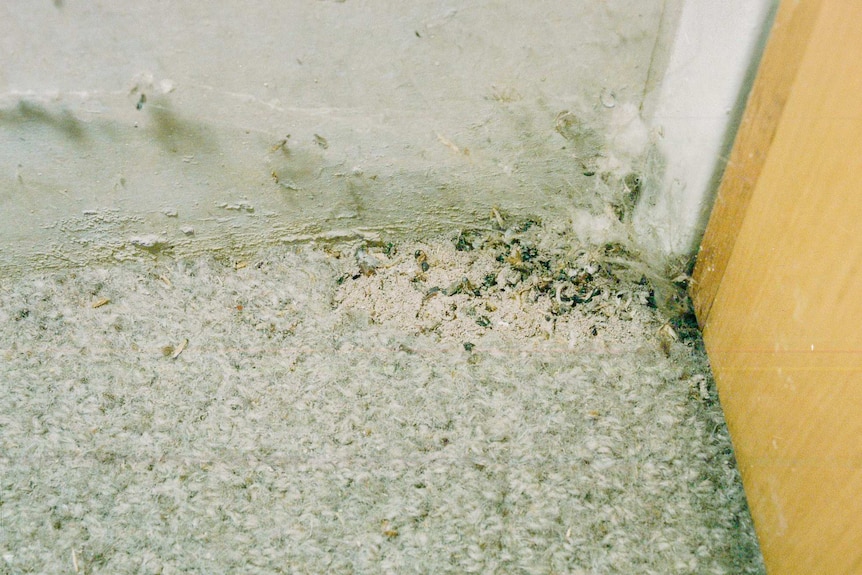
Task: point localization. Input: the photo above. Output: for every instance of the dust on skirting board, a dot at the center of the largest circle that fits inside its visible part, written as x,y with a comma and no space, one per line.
499,401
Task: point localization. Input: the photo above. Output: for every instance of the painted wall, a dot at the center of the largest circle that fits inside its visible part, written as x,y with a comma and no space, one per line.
128,129
695,112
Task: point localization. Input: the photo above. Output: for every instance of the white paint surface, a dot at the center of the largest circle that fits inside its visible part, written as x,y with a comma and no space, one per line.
701,99
401,116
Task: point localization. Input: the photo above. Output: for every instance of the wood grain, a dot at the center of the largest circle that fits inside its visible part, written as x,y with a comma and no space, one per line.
776,75
783,324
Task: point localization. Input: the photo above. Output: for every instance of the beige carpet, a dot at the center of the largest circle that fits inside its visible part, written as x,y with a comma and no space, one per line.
499,401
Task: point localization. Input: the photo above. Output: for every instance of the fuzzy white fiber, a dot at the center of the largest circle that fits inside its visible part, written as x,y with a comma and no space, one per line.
298,432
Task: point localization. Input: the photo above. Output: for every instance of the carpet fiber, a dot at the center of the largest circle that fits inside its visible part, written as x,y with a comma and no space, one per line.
434,407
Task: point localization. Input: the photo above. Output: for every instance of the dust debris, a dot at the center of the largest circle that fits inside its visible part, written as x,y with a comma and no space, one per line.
494,400
322,142
179,349
100,302
282,145
512,276
451,145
